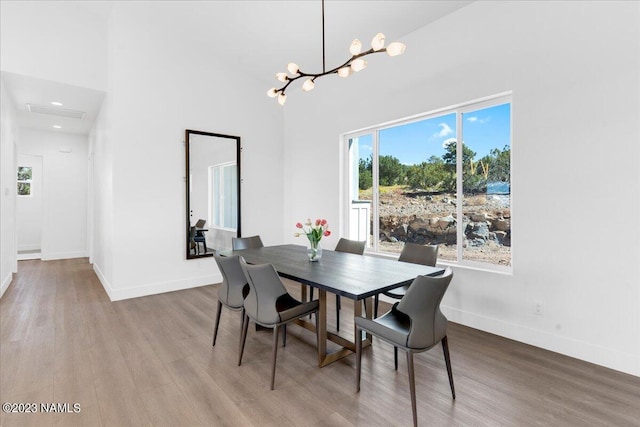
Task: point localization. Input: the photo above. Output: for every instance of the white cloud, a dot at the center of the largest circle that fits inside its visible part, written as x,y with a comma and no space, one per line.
475,119
444,130
449,141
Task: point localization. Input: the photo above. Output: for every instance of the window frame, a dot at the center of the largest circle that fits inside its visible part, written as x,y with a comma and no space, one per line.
459,110
211,191
24,181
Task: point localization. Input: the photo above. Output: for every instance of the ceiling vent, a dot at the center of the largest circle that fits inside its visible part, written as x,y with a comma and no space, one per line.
53,111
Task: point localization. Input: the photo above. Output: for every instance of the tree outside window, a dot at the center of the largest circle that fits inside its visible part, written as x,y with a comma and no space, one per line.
25,178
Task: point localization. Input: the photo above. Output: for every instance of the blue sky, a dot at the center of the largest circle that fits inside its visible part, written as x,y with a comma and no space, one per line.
415,142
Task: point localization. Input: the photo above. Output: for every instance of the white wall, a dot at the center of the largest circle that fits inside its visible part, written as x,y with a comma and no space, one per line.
29,208
8,137
159,85
64,227
62,44
101,206
574,71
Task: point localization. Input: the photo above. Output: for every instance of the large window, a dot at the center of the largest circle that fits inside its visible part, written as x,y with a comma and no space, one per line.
407,183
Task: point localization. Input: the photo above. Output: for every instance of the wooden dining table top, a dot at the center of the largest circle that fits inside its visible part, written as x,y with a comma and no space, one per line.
352,276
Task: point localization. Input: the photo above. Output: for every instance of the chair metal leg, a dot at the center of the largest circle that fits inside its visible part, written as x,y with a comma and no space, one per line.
276,329
376,303
242,314
447,360
338,313
395,357
412,387
215,328
284,335
358,357
245,326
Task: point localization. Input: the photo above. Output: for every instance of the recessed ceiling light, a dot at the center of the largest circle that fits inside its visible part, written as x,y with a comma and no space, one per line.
56,103
57,126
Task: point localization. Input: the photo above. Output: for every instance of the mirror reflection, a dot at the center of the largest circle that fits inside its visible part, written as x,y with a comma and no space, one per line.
213,192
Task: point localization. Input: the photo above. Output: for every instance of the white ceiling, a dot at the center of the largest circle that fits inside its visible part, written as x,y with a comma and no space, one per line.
25,90
258,37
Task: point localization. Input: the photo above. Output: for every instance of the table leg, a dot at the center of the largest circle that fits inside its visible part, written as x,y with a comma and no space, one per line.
303,292
348,347
322,326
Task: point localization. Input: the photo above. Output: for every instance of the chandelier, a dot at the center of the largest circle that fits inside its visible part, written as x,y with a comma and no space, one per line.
352,65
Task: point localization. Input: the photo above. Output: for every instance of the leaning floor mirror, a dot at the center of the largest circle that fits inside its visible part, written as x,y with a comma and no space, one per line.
212,192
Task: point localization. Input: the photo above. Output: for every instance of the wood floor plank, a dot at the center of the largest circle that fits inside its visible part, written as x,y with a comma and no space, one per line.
167,406
212,405
149,361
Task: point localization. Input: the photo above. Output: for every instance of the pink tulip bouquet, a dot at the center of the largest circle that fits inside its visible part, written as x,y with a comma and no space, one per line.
314,232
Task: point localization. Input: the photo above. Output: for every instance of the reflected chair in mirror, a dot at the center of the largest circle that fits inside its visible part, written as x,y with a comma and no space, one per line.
414,324
270,305
239,243
197,238
233,290
416,254
350,246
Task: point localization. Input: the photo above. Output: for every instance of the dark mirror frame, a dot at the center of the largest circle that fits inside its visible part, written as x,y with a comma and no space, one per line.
189,132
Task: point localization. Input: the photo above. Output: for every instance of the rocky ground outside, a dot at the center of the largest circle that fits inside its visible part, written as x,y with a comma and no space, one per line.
427,218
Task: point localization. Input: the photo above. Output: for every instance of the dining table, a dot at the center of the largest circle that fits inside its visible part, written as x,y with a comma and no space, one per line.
355,277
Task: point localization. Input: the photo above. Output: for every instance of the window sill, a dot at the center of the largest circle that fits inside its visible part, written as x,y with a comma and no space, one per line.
485,268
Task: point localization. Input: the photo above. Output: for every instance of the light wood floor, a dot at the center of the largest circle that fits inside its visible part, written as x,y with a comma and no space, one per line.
149,361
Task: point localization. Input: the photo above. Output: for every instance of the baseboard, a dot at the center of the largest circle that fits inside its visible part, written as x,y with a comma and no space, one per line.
46,256
619,361
154,288
5,283
33,247
28,256
103,280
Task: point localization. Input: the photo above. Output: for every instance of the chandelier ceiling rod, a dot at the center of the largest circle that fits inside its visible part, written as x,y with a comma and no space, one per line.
324,68
350,66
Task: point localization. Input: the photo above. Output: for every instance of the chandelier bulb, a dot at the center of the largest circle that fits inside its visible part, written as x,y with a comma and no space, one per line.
282,77
358,65
293,67
378,42
356,47
344,72
396,48
271,93
282,98
308,85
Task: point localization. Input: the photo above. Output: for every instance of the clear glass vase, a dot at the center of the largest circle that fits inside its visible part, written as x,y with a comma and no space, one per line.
314,251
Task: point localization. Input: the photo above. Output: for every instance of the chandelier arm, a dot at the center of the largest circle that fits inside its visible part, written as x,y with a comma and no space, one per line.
324,72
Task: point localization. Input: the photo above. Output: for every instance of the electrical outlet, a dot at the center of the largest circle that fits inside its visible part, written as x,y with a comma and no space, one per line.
537,307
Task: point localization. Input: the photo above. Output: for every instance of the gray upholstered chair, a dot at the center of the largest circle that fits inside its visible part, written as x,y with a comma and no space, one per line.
352,247
238,243
233,290
414,324
416,254
270,305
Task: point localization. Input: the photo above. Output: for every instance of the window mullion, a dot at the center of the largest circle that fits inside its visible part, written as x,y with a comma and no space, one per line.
459,186
375,232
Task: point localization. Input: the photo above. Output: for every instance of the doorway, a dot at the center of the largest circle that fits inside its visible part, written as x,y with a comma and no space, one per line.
29,206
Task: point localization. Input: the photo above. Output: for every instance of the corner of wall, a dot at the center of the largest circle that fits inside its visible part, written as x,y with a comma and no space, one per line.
5,284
